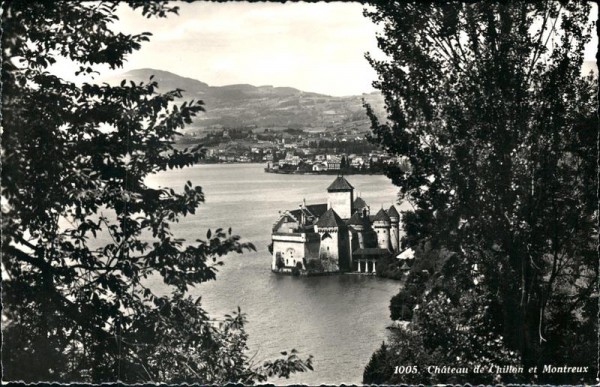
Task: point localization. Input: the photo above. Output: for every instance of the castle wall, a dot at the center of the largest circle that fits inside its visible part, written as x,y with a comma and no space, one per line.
355,238
344,259
311,248
370,238
341,202
395,237
358,239
329,250
383,237
292,248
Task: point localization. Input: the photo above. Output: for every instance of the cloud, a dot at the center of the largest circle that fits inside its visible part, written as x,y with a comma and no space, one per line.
316,47
302,45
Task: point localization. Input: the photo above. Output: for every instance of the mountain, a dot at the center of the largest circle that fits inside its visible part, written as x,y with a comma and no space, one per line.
276,108
268,107
164,78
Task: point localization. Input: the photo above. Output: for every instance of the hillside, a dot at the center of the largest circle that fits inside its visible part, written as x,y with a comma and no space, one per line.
275,108
271,107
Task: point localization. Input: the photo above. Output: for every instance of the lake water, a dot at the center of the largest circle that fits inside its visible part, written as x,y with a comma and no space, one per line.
340,320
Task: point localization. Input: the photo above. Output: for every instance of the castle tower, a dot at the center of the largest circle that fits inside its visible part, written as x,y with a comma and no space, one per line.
395,228
359,224
340,195
360,206
382,225
334,248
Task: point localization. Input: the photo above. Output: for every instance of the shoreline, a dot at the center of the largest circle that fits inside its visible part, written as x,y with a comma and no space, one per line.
305,273
332,172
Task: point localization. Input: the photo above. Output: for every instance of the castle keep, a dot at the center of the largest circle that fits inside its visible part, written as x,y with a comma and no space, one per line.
338,236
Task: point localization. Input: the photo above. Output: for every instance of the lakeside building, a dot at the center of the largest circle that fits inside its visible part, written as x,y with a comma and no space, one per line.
334,163
319,166
338,236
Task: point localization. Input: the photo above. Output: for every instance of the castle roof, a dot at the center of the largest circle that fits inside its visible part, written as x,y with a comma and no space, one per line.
340,184
406,254
284,219
359,203
313,209
330,219
355,219
370,252
392,212
382,216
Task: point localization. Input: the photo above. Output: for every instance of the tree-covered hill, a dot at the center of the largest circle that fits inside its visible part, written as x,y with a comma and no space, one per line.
264,106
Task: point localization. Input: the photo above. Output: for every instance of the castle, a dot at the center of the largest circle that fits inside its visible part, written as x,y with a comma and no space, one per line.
338,236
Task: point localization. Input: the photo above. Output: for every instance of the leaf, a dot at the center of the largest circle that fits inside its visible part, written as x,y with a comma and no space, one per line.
86,305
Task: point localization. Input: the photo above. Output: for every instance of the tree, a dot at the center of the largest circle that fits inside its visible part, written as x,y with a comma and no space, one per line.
402,305
81,231
378,369
487,103
279,262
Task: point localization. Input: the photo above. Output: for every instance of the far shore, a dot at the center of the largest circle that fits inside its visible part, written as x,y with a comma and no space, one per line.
329,172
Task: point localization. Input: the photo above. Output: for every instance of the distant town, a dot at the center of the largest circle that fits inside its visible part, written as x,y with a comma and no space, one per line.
293,150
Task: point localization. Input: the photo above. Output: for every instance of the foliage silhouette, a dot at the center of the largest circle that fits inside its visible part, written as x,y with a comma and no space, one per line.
487,103
81,231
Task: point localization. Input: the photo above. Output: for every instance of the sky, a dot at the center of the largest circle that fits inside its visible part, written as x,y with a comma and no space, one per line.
317,47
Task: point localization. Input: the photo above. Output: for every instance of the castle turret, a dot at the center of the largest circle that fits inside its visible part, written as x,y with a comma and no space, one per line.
382,225
395,228
360,225
340,195
360,206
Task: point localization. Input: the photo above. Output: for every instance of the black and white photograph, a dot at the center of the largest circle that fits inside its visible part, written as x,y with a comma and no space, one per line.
300,193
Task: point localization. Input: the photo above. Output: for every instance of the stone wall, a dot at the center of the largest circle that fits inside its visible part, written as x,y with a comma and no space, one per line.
328,250
291,249
341,202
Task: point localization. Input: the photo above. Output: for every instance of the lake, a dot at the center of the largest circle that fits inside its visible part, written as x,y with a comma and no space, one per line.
340,320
